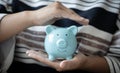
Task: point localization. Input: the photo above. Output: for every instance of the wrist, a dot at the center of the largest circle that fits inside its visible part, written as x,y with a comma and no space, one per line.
96,64
29,17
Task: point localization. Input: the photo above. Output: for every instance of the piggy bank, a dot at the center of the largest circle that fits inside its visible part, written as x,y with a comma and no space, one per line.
60,42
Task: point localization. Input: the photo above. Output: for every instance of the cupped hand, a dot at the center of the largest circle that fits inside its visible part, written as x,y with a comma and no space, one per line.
76,63
56,11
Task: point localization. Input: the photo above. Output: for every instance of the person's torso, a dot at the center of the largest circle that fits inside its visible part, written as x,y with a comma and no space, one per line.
102,14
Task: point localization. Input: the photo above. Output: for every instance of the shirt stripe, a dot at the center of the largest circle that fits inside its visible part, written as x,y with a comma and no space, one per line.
103,14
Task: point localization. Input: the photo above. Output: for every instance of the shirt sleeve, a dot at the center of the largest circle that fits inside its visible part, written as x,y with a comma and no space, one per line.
2,15
113,56
5,8
118,21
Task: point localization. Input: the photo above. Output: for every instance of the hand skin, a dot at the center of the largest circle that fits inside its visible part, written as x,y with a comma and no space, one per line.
12,24
93,64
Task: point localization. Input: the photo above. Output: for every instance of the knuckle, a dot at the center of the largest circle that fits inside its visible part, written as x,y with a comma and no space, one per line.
57,5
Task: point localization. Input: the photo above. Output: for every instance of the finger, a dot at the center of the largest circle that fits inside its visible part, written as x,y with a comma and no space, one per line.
75,17
36,55
42,58
64,12
37,52
73,64
68,65
80,19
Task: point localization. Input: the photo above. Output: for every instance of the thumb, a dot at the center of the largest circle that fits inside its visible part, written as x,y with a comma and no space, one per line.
67,65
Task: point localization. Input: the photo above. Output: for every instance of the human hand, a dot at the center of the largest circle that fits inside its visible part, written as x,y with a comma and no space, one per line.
78,62
53,12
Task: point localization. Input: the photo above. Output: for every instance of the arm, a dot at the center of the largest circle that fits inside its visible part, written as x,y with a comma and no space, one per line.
14,23
96,64
113,57
11,24
111,62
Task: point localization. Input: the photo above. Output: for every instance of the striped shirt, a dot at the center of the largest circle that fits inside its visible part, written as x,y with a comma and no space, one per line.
104,16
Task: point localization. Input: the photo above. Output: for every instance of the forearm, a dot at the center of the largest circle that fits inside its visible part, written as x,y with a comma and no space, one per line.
96,64
14,23
111,62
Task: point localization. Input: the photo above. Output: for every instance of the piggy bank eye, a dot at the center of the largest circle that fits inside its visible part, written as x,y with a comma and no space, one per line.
57,34
66,34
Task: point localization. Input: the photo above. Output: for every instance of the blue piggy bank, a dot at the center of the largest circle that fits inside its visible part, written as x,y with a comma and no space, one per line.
60,42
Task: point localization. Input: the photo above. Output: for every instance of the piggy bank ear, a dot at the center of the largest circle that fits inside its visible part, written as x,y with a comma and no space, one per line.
49,29
73,29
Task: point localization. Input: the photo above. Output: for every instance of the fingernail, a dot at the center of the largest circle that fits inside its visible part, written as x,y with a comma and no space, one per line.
62,64
29,55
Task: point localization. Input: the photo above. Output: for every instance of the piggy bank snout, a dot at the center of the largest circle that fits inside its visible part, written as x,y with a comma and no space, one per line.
61,43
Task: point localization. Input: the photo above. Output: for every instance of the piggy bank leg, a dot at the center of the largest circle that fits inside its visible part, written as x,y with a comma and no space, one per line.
51,58
69,57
